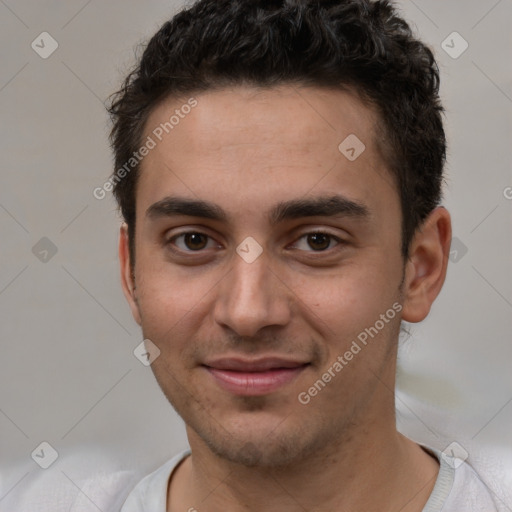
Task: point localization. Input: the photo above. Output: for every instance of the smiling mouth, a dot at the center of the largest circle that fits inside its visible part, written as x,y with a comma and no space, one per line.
254,378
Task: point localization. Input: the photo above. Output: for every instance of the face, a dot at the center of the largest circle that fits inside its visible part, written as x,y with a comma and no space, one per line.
260,244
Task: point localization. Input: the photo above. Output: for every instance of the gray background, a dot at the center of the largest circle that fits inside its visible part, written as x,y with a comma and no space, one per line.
67,372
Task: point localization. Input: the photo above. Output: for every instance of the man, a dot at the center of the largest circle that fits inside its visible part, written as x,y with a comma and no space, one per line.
279,169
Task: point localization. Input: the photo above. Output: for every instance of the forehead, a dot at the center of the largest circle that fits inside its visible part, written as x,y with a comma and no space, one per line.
264,143
248,115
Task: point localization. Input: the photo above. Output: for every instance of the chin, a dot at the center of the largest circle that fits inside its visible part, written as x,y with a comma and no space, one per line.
270,447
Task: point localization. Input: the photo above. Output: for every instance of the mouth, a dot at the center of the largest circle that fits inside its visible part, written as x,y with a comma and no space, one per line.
254,377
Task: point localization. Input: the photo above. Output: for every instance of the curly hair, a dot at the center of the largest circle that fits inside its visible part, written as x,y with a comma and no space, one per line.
361,44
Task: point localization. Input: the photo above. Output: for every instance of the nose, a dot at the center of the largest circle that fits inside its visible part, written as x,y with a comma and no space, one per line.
252,296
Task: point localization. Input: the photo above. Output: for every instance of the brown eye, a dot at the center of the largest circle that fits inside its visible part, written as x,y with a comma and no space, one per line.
191,241
195,241
319,241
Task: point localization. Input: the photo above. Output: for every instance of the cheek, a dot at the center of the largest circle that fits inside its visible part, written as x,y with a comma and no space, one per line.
173,303
163,299
349,296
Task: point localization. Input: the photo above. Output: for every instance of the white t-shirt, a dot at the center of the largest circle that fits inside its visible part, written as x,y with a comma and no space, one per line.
75,484
457,489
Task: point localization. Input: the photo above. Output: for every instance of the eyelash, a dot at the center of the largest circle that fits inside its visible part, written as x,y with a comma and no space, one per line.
304,235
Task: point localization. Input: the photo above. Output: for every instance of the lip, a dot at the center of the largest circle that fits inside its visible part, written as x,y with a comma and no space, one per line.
253,365
254,377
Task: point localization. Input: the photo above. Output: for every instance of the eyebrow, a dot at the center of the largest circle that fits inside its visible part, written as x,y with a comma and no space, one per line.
323,206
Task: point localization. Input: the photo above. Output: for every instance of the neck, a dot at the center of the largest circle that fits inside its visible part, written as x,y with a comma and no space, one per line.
372,467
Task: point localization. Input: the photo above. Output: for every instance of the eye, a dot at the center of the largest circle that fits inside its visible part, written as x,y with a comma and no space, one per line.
318,241
191,241
195,241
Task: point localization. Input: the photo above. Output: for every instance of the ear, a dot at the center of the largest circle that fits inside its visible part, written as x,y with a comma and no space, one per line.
127,278
426,267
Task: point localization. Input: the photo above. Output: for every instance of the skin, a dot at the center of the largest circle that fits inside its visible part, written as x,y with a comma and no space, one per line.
246,150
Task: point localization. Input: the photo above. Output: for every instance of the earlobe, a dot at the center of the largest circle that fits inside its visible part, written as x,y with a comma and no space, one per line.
426,267
127,277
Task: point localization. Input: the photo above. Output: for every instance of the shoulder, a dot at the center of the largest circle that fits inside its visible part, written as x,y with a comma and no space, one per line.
460,487
469,491
150,494
78,482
